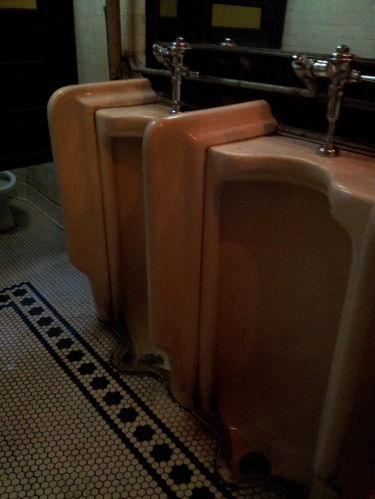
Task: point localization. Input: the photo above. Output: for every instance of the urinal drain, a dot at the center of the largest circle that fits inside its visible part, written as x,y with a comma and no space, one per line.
254,463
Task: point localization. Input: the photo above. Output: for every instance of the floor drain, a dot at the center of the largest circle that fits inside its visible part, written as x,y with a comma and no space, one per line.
254,463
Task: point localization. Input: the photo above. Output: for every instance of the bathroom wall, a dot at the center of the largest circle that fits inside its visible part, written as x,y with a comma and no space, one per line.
320,25
91,43
38,183
91,36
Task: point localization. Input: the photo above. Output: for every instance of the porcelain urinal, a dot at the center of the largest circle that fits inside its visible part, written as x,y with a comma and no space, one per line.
288,252
270,284
120,136
96,132
174,153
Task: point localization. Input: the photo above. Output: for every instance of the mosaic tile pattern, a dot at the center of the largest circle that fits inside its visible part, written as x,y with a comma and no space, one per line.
71,425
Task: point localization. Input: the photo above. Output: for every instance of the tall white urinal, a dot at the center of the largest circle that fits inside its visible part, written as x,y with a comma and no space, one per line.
261,267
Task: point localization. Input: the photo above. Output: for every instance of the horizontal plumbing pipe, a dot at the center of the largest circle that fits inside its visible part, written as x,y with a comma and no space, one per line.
348,102
368,78
266,87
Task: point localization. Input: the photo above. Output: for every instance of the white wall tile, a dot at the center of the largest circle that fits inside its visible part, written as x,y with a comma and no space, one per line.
91,39
328,23
140,8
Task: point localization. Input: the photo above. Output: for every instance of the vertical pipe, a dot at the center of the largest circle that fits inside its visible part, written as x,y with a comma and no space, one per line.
113,28
176,94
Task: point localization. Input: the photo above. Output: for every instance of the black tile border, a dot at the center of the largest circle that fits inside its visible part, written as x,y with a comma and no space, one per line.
63,363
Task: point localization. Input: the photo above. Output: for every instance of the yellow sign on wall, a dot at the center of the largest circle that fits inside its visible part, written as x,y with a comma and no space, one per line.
236,16
168,8
18,4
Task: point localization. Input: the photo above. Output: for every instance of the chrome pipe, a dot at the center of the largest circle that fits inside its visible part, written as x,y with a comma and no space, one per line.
338,68
217,80
335,95
151,71
266,87
171,55
368,78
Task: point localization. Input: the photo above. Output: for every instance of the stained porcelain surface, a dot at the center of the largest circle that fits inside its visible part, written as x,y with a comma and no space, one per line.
327,305
105,223
71,115
350,173
120,140
229,282
175,151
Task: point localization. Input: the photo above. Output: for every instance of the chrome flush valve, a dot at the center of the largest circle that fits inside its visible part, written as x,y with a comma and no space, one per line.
338,68
172,57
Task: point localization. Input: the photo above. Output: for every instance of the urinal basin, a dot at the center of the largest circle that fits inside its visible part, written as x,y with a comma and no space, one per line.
120,137
285,232
286,282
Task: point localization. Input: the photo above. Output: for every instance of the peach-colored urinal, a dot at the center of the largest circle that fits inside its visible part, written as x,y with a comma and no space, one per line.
288,243
261,267
96,133
174,152
120,136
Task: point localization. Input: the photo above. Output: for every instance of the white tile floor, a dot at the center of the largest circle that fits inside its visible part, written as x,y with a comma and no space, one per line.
70,424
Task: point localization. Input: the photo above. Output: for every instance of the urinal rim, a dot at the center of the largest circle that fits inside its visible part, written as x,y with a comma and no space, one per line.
10,178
